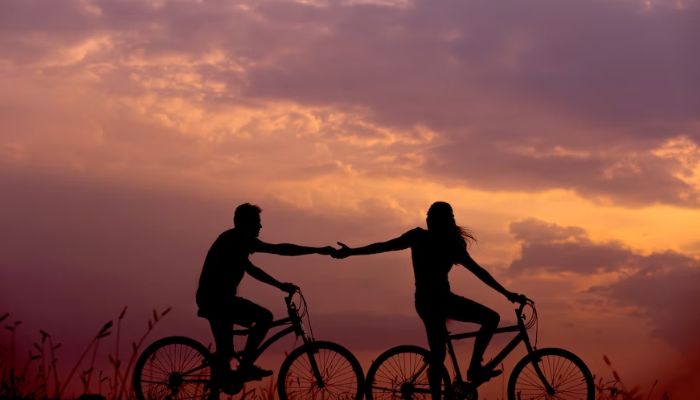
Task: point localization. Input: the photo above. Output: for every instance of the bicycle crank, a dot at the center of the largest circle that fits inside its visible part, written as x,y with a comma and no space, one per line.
464,391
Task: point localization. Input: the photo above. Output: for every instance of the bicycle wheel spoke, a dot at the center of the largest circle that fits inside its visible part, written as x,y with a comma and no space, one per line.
400,373
565,373
339,378
173,368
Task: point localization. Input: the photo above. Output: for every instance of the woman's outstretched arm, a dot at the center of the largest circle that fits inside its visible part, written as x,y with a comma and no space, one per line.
395,244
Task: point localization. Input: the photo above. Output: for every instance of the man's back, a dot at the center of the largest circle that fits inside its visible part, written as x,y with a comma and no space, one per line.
224,268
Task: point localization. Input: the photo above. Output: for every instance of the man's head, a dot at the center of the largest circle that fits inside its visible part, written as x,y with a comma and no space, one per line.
246,219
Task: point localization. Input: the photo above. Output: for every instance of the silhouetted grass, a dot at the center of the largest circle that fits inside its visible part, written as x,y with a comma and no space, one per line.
615,389
39,377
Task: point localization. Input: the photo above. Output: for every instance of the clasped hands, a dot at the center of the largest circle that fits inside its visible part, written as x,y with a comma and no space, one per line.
343,252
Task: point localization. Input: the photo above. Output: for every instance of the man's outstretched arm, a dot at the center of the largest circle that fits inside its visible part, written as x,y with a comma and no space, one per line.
399,243
289,249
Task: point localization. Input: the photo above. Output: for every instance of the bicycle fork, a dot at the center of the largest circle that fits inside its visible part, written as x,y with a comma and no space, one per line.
536,365
536,359
315,369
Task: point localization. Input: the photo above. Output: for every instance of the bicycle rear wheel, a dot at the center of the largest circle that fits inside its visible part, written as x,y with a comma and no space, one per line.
567,375
402,373
320,370
174,367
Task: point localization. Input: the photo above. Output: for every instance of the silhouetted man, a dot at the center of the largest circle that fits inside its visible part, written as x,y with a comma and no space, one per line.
224,267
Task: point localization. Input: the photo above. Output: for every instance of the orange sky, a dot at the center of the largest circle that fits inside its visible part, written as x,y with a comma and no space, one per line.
566,136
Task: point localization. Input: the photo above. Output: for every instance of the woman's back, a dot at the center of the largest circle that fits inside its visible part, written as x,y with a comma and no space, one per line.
433,256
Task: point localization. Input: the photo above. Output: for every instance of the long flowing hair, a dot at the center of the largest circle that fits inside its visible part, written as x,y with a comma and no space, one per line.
441,220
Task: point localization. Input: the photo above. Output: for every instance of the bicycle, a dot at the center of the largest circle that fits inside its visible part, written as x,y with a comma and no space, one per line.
179,367
547,373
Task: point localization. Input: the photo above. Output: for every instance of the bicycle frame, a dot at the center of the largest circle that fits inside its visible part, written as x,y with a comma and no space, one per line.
294,325
522,336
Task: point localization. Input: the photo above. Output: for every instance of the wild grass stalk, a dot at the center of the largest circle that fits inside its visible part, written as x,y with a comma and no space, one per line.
615,389
87,374
53,364
135,346
42,373
104,332
20,382
115,360
10,378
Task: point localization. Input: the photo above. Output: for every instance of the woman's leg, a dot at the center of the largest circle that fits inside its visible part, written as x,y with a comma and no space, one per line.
437,335
462,309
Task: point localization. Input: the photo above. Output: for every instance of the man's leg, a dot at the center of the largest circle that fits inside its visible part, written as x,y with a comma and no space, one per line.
462,309
259,321
222,329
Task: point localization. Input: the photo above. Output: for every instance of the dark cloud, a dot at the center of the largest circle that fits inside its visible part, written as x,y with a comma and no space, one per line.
669,297
553,248
661,286
431,62
606,81
623,176
491,78
436,62
533,230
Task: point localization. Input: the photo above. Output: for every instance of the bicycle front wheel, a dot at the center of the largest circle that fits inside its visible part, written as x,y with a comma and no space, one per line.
174,367
567,377
402,373
320,370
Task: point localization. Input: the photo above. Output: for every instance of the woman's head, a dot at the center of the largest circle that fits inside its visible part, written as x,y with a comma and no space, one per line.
441,220
440,217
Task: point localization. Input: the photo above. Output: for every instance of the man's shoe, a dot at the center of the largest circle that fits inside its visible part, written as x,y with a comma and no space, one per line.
221,375
482,374
253,372
227,381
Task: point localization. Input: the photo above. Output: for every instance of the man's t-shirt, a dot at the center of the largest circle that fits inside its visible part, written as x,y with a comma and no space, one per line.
224,268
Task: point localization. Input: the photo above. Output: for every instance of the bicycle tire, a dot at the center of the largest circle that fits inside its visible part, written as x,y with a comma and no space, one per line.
393,375
174,367
342,374
567,373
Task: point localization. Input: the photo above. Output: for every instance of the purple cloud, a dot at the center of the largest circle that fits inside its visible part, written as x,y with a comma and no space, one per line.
588,90
660,285
553,248
668,297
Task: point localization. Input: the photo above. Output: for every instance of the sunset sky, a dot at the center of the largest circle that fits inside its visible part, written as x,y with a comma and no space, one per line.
566,135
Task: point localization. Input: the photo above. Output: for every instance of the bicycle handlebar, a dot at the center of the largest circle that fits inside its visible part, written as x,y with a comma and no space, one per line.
527,301
290,295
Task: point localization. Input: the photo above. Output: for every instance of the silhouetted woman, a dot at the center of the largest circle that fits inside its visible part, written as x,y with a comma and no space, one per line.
434,251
